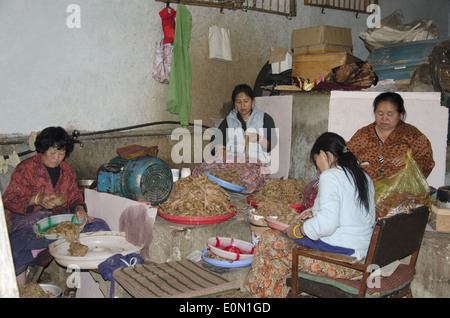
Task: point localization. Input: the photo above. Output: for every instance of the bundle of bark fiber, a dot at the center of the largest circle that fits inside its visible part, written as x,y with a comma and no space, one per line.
197,197
289,191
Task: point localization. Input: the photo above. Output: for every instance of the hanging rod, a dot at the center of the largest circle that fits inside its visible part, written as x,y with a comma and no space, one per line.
243,5
228,4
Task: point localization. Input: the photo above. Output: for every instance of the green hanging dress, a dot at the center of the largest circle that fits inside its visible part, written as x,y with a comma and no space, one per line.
179,91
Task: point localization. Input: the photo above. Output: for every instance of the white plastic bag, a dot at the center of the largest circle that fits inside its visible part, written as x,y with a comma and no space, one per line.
219,44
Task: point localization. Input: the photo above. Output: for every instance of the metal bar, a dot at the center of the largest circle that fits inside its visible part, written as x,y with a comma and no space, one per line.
351,5
225,4
241,4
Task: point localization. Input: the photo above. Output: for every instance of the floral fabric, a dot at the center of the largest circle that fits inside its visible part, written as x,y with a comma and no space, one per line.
273,262
162,61
252,175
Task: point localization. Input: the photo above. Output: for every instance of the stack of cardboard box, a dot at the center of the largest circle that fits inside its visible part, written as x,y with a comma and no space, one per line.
317,50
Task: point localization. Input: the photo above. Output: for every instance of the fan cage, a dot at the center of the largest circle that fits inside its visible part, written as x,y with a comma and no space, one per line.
156,184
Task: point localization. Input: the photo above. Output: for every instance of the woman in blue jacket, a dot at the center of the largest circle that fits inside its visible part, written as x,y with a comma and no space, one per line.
340,221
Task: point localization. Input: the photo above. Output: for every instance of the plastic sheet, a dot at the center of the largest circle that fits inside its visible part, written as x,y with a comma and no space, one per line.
403,191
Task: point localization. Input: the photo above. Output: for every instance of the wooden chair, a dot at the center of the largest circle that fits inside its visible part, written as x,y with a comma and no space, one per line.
393,238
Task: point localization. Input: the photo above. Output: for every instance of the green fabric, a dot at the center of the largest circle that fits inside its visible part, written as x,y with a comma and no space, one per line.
179,91
350,289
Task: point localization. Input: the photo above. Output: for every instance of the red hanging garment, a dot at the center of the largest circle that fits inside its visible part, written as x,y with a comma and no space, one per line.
168,24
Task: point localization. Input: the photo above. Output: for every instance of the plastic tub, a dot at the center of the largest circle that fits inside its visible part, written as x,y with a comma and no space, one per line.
55,290
217,245
47,223
198,220
225,264
225,184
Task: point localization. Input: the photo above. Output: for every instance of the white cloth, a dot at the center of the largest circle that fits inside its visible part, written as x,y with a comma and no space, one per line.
3,165
32,139
14,159
338,219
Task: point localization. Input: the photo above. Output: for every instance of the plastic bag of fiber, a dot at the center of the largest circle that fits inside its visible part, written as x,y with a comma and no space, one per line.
114,262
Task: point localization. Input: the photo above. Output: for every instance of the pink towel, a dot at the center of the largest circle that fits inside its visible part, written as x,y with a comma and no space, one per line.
36,252
137,224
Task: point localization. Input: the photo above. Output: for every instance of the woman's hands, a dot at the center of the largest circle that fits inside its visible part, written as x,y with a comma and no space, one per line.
80,212
51,201
254,137
306,214
398,161
47,201
221,152
295,231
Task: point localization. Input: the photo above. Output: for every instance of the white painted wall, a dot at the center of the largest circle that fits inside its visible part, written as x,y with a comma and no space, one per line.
92,77
99,76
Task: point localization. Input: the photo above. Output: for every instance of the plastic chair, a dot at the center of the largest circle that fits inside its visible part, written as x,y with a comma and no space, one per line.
393,239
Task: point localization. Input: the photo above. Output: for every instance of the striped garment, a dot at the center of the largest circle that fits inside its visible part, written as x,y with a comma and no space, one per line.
177,279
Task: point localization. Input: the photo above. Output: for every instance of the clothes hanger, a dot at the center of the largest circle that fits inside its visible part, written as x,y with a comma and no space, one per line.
169,9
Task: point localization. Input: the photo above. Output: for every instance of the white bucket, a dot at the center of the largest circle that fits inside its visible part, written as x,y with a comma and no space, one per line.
175,174
258,225
185,172
55,290
257,230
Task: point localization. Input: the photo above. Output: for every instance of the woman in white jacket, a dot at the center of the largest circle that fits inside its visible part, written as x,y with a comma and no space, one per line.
243,142
340,221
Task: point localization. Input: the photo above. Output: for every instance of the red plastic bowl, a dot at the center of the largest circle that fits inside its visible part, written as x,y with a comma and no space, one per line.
254,204
200,220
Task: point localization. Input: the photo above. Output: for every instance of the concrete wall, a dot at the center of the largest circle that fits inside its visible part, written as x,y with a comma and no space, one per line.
309,121
433,266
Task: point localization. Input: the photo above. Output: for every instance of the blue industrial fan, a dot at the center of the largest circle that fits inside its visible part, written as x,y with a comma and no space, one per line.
141,179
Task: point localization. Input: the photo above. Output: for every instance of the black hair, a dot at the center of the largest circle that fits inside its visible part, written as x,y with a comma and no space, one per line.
393,98
242,88
54,137
335,144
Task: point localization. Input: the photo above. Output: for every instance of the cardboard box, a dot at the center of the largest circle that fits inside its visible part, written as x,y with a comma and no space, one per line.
440,219
322,39
280,59
310,66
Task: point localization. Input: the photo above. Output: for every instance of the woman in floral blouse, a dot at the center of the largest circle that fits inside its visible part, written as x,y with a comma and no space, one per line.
381,145
36,186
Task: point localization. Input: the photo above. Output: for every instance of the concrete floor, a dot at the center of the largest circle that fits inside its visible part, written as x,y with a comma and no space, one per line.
432,268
